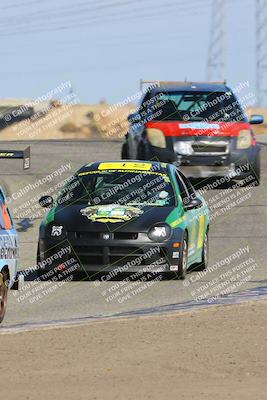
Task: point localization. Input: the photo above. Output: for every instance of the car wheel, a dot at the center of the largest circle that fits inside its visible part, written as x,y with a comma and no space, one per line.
3,294
256,170
39,272
183,261
143,151
125,151
205,254
38,259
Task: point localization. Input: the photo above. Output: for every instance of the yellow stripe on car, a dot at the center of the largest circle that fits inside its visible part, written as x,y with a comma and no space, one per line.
201,231
178,221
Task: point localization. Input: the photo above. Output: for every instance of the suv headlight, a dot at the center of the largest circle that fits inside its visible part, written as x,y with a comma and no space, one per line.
184,148
156,137
160,232
244,140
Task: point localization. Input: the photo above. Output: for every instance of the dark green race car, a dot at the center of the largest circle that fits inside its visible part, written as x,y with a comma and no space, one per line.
125,217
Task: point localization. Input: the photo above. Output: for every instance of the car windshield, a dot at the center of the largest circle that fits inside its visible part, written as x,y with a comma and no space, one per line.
114,187
197,106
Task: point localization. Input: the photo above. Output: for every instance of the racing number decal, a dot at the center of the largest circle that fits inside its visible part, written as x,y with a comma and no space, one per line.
127,165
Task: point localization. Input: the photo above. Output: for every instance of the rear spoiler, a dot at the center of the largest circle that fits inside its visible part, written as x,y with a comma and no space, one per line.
178,83
18,154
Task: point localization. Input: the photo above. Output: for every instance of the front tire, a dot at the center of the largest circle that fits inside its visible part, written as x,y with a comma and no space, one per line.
205,254
3,294
256,170
143,151
125,151
183,261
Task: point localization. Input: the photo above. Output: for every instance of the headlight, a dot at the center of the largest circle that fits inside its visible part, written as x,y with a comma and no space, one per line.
160,232
156,138
244,140
184,148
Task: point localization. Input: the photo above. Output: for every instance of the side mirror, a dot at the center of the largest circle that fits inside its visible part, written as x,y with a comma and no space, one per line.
46,201
193,204
134,118
256,119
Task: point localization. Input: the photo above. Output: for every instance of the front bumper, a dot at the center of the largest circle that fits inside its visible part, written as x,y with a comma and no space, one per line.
104,256
234,163
208,171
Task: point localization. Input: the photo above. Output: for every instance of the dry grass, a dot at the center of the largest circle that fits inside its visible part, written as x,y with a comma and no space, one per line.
81,121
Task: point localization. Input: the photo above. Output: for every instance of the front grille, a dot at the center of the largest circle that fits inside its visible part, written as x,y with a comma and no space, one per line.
126,235
124,251
210,148
88,250
114,255
87,235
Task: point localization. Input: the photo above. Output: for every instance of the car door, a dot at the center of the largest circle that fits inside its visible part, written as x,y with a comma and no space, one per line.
5,218
196,221
8,240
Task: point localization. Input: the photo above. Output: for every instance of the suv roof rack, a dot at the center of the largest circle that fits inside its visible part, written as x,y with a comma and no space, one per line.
178,83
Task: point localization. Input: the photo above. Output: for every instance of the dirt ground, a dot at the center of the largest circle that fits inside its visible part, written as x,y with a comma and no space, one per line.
218,353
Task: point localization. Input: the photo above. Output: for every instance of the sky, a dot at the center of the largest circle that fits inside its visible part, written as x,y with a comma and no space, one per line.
104,47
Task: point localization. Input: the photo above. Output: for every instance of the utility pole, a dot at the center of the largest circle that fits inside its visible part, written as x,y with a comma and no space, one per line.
215,67
261,51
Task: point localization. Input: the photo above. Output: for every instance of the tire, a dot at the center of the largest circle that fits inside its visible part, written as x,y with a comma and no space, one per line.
125,151
3,294
205,254
143,151
38,258
183,260
256,170
38,273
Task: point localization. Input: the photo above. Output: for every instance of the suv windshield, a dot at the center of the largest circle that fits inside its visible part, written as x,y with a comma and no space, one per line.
114,187
197,106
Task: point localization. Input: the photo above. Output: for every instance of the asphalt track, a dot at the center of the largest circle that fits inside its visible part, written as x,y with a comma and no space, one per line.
237,245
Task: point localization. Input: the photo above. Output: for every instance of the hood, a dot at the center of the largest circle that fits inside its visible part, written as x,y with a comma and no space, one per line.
181,128
80,217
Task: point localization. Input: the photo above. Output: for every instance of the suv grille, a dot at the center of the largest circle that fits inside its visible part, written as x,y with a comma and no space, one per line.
210,147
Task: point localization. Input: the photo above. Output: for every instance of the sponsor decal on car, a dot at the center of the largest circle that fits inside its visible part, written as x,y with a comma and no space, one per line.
57,230
8,247
199,125
111,213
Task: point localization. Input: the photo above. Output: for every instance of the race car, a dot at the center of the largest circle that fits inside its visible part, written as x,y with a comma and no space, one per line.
8,254
200,127
124,217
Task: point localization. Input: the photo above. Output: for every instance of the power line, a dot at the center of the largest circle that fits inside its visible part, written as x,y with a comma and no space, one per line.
18,5
31,20
71,10
99,19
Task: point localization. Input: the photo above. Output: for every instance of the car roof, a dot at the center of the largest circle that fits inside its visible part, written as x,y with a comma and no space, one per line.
134,165
192,87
